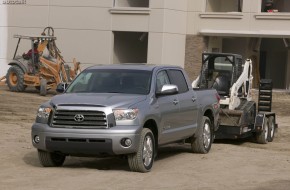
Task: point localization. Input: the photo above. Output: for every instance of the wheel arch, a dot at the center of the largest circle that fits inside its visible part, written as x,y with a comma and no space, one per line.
20,65
209,113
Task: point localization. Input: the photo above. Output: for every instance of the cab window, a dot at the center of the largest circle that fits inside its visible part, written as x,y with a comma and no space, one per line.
162,79
176,77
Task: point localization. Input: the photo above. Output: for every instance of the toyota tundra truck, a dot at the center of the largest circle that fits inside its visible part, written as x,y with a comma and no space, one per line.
128,110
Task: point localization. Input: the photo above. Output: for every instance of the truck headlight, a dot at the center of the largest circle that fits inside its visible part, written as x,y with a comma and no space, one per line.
125,114
43,115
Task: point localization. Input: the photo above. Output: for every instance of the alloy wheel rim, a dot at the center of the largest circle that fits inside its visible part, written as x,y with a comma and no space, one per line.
266,132
206,135
147,151
272,128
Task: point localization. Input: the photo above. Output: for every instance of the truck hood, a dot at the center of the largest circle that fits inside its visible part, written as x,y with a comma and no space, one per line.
102,99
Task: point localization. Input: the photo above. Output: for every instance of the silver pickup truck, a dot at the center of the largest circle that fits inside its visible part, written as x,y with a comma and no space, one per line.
125,110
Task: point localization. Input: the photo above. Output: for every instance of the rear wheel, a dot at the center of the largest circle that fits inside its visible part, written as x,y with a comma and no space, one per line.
142,160
15,79
50,159
43,87
203,138
262,137
272,131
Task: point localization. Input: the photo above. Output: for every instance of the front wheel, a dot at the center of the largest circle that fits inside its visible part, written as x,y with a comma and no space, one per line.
203,138
50,159
142,160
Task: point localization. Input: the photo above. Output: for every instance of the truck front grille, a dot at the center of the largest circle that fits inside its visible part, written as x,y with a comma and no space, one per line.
79,119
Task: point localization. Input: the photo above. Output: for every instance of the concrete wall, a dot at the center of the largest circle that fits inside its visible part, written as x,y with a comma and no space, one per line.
218,19
84,28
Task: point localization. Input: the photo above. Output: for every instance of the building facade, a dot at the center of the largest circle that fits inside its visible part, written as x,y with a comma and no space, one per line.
155,32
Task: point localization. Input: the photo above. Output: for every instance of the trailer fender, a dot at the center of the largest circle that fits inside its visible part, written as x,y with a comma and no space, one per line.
260,119
259,122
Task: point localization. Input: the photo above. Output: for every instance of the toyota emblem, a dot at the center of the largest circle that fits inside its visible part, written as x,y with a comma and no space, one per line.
79,118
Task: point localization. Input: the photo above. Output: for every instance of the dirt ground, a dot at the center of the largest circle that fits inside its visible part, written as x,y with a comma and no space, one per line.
237,165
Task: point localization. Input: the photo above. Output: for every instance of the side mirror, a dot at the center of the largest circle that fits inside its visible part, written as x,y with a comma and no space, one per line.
168,89
61,87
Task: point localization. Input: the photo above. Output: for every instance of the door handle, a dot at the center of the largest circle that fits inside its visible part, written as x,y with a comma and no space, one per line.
175,102
193,99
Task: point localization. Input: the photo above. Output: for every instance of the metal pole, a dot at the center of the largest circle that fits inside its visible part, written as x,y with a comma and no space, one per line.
16,48
32,56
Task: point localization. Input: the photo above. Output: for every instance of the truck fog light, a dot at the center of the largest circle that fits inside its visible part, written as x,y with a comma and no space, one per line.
36,139
126,142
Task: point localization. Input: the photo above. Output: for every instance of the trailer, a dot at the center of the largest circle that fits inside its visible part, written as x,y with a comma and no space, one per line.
240,116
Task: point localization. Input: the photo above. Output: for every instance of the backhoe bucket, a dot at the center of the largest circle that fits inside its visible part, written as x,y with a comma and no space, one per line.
230,117
234,124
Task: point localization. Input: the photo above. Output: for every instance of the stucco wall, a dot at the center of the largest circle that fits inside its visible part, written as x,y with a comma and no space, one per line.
84,28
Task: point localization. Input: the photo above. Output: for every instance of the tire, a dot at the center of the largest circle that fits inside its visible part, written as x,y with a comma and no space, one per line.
43,87
142,160
272,130
15,79
50,159
262,137
202,140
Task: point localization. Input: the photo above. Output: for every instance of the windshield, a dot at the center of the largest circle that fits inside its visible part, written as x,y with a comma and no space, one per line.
112,81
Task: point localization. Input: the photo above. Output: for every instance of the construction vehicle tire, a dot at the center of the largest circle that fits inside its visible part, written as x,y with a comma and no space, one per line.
262,137
272,129
15,79
201,141
43,87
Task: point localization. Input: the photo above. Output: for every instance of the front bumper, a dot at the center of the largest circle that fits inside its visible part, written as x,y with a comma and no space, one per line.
85,142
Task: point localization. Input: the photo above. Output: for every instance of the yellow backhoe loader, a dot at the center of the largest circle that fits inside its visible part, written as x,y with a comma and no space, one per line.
42,66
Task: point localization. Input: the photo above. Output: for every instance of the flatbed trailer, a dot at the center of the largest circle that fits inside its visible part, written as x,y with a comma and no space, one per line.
240,116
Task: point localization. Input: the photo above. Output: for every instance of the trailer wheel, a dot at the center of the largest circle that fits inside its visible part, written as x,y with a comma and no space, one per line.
272,131
142,160
202,140
262,137
15,79
50,159
43,87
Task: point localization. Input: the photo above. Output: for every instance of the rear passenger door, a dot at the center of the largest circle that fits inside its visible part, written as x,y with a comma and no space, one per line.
188,109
